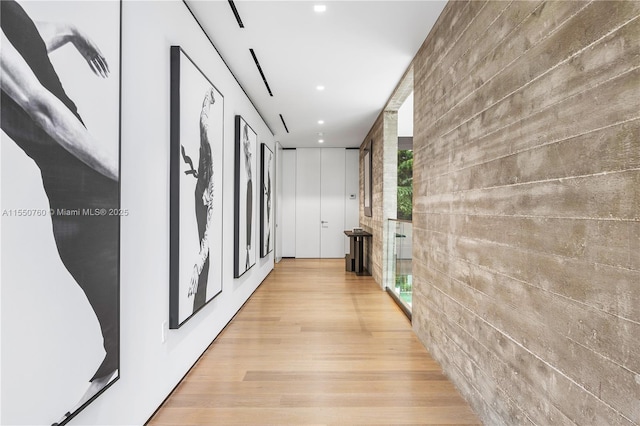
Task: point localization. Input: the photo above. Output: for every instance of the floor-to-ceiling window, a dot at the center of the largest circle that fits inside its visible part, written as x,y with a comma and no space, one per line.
400,230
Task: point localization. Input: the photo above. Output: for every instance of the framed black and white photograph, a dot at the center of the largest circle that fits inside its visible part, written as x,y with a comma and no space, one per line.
246,141
368,179
60,197
197,118
266,212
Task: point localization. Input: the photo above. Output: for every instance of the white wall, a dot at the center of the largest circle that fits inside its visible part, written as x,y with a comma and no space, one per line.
150,369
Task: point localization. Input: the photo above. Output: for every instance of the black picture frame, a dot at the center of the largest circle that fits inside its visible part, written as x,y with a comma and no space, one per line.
266,208
196,185
67,216
246,141
368,179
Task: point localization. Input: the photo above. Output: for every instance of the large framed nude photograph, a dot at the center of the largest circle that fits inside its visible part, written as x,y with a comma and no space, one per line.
368,179
266,212
246,141
197,132
60,205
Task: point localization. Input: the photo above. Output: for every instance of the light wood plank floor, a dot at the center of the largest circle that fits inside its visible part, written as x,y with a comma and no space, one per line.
316,345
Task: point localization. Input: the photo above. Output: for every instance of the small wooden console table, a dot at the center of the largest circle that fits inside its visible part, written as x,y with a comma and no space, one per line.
355,258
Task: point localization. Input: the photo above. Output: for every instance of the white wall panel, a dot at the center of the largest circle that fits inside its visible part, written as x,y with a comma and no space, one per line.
308,203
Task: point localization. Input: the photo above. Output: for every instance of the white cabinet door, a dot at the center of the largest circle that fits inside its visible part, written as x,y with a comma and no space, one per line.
332,202
307,203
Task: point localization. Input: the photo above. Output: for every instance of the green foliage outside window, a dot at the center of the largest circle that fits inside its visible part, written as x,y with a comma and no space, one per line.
403,284
405,184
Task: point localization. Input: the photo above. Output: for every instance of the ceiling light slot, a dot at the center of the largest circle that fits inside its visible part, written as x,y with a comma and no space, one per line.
284,124
255,59
236,14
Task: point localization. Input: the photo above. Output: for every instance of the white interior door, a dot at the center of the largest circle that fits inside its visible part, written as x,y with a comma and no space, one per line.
332,202
307,203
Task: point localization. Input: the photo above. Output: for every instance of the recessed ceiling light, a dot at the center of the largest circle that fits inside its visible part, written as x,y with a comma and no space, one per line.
320,88
320,140
320,121
319,8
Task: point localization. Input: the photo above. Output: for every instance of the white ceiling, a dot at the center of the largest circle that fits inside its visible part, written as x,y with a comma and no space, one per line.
358,50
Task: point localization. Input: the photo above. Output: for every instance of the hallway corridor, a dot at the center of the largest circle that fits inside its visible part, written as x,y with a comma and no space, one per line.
316,345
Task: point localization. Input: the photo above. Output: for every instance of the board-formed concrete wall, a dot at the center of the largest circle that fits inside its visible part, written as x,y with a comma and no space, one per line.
527,208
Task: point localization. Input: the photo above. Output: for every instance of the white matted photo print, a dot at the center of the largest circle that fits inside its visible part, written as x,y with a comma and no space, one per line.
61,212
266,211
245,196
197,113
